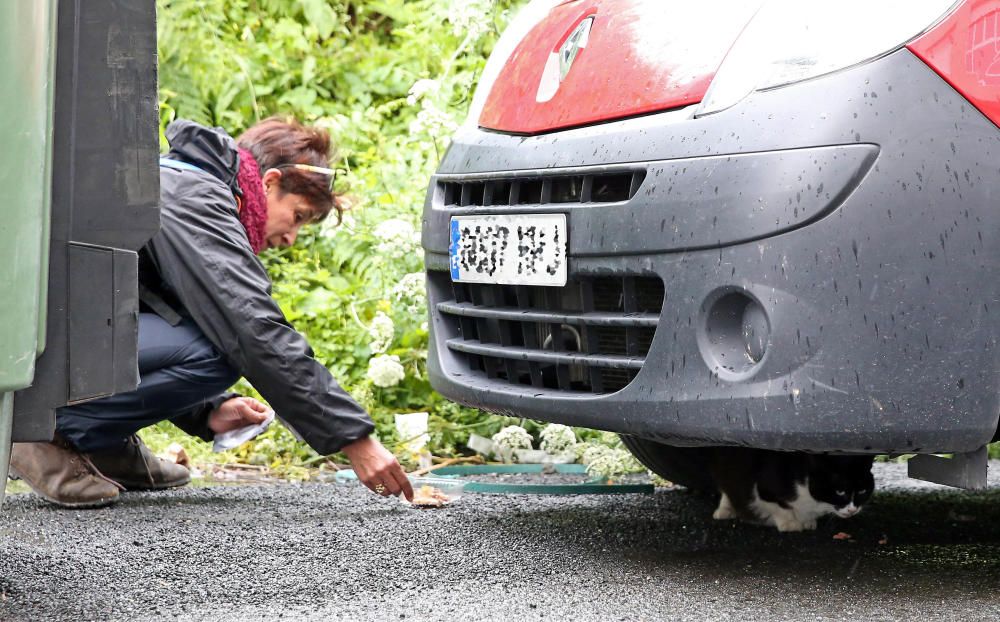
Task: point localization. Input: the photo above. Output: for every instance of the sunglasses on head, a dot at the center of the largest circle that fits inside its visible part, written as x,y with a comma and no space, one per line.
320,170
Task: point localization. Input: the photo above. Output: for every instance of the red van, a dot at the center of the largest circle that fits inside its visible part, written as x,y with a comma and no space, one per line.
771,224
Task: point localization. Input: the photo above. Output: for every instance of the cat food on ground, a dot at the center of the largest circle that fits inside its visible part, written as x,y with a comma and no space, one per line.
429,497
843,535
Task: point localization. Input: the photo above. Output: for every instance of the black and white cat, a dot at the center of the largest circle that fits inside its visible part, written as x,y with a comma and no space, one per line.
789,490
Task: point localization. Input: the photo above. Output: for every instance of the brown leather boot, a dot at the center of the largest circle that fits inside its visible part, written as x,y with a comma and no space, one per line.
61,475
136,468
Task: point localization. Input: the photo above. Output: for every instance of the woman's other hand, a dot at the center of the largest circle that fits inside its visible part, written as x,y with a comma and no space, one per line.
236,413
377,468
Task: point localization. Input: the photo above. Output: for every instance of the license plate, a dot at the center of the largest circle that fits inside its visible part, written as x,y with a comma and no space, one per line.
524,249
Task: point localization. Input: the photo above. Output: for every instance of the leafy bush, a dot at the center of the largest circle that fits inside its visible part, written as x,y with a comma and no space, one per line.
390,79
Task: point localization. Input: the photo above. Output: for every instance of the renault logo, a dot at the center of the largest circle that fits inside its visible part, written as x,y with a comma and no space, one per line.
561,61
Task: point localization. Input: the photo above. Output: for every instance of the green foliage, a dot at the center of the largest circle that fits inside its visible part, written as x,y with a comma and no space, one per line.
390,80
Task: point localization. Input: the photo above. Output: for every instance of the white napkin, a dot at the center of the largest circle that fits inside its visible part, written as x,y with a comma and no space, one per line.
235,438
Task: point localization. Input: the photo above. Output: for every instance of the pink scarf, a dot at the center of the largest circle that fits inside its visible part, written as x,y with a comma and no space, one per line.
253,206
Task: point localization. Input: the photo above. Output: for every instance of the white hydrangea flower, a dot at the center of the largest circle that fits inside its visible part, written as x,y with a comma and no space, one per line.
395,229
508,439
604,466
385,370
411,293
469,17
557,438
397,238
330,228
433,121
612,463
590,452
411,286
381,330
424,86
611,439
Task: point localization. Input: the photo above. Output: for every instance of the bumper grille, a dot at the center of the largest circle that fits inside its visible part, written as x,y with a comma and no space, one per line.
605,187
590,336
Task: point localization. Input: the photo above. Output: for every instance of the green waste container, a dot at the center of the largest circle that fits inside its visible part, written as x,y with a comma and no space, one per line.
27,59
79,153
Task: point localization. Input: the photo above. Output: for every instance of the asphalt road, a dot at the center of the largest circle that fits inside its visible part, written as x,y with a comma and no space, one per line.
327,551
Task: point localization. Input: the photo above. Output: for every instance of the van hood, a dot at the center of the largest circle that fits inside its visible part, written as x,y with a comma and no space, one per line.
602,60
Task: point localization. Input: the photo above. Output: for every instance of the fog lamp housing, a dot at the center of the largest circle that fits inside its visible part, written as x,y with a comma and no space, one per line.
734,334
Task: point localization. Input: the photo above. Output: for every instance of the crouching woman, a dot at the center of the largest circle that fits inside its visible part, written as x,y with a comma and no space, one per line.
207,318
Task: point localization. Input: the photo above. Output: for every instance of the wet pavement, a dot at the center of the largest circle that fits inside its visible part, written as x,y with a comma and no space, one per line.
327,551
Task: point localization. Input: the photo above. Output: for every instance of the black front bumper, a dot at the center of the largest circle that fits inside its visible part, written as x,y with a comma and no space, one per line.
856,214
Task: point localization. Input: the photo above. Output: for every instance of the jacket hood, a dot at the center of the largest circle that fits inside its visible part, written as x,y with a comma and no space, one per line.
210,149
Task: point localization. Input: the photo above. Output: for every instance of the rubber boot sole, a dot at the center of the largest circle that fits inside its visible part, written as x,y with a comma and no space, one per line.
137,486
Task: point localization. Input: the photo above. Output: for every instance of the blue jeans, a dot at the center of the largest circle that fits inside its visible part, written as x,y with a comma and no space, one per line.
180,372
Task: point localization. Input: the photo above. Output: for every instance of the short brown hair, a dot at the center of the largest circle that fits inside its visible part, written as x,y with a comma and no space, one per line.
280,143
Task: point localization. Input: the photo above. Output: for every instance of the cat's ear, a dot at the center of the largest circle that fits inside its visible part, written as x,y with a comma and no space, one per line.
863,465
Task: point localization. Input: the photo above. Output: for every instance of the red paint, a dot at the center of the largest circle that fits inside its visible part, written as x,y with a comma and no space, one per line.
643,56
965,50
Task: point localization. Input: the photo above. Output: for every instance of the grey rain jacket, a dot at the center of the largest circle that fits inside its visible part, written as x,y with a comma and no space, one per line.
200,265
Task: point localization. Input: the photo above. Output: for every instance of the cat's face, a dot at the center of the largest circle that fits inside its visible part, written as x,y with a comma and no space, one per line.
845,482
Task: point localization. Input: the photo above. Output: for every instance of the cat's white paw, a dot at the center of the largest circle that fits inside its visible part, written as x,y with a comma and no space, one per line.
725,511
789,524
809,525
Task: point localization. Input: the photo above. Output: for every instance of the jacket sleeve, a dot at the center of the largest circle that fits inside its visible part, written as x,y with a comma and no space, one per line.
202,255
195,421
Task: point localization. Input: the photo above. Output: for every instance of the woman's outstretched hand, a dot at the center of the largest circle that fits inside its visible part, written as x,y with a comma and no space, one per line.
377,468
236,413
